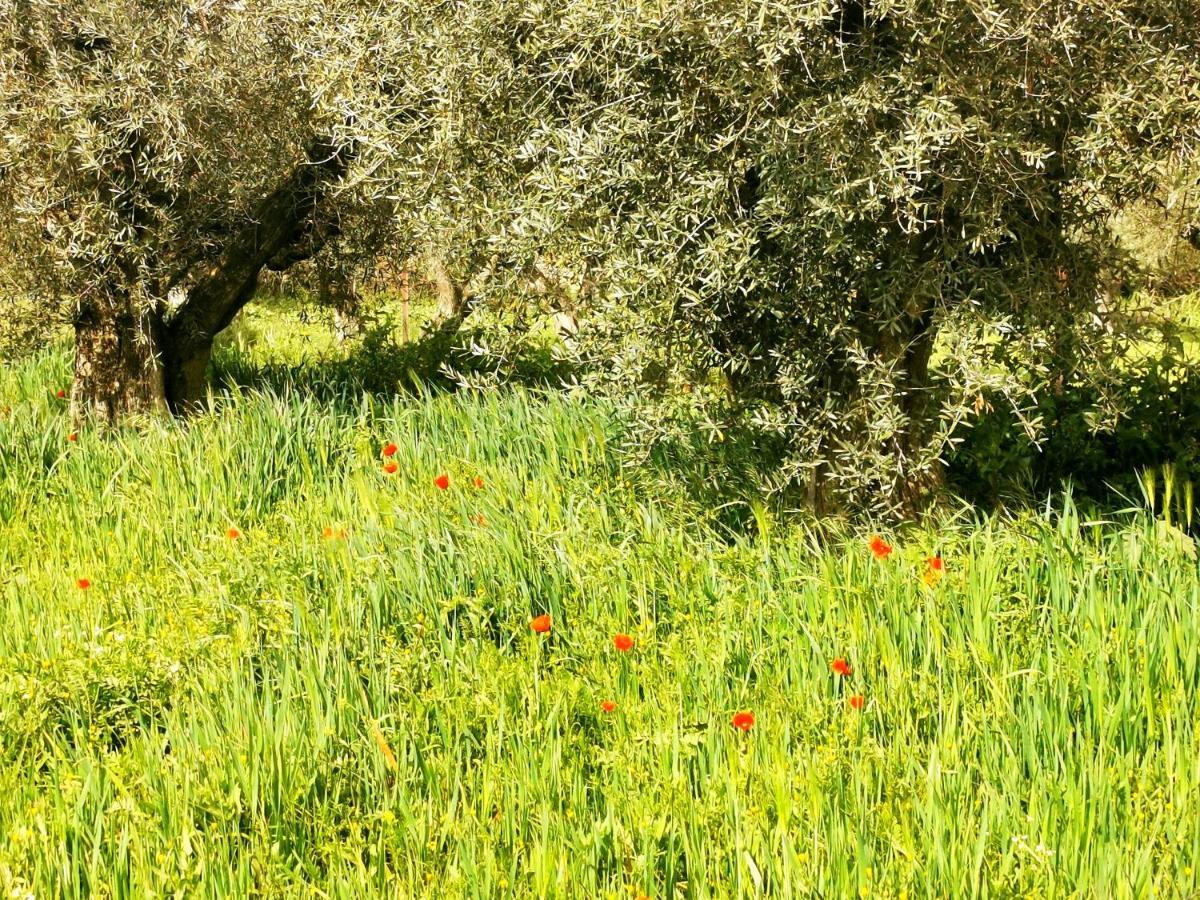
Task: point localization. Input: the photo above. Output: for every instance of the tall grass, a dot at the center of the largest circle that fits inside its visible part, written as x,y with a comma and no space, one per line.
287,714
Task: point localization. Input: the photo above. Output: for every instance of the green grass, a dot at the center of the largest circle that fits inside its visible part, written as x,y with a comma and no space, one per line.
210,717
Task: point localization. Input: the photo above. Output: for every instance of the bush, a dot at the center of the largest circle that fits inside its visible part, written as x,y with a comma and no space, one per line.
1157,422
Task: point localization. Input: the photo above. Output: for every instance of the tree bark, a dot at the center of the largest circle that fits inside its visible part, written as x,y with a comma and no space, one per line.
336,291
118,370
130,360
921,477
450,293
280,223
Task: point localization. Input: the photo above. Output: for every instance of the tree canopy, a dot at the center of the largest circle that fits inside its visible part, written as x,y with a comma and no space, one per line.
838,221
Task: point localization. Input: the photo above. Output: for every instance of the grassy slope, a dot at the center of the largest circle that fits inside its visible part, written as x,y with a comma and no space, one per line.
201,718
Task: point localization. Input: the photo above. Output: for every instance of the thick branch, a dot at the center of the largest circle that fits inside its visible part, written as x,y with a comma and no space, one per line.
280,220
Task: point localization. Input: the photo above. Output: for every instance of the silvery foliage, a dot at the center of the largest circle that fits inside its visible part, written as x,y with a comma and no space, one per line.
765,212
778,206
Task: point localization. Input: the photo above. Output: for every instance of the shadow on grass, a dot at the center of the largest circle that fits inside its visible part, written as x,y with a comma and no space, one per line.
382,367
727,478
735,479
1159,425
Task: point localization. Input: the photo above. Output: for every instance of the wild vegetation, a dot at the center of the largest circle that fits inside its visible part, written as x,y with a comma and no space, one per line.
564,448
767,214
267,654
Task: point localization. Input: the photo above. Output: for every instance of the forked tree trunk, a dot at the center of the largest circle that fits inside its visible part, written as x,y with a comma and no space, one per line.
129,362
118,370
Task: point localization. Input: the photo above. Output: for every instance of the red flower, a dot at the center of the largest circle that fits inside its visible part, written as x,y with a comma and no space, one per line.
623,642
61,394
478,481
607,705
390,468
442,481
880,547
479,520
389,449
856,701
330,533
934,570
840,667
72,437
233,534
83,584
541,624
743,720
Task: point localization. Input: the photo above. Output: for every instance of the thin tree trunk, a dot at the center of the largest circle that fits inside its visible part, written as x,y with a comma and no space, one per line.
404,305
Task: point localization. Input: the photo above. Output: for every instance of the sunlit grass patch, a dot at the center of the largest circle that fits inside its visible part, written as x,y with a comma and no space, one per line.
348,697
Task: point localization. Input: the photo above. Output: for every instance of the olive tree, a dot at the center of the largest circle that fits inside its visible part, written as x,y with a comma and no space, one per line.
154,158
841,221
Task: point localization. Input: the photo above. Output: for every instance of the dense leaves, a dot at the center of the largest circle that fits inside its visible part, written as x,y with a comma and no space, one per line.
861,216
840,224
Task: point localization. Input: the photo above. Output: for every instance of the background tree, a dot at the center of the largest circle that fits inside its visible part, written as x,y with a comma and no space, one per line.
151,152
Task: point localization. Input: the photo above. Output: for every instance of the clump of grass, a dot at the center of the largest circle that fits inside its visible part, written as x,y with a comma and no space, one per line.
347,698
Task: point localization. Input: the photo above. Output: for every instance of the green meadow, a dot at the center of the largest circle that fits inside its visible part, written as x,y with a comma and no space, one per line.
293,673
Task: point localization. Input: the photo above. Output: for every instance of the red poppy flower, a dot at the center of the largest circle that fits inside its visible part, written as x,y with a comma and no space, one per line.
83,584
389,449
479,520
880,547
840,667
623,642
390,468
934,570
856,701
61,394
478,482
233,534
743,720
442,481
72,437
541,624
607,705
330,533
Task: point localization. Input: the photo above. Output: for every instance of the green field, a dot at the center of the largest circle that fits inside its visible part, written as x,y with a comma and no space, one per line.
294,712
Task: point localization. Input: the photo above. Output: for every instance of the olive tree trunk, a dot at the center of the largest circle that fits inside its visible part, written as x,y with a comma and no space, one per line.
923,474
131,360
118,368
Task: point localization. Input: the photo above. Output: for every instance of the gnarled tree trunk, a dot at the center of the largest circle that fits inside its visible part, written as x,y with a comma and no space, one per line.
450,294
118,370
135,361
